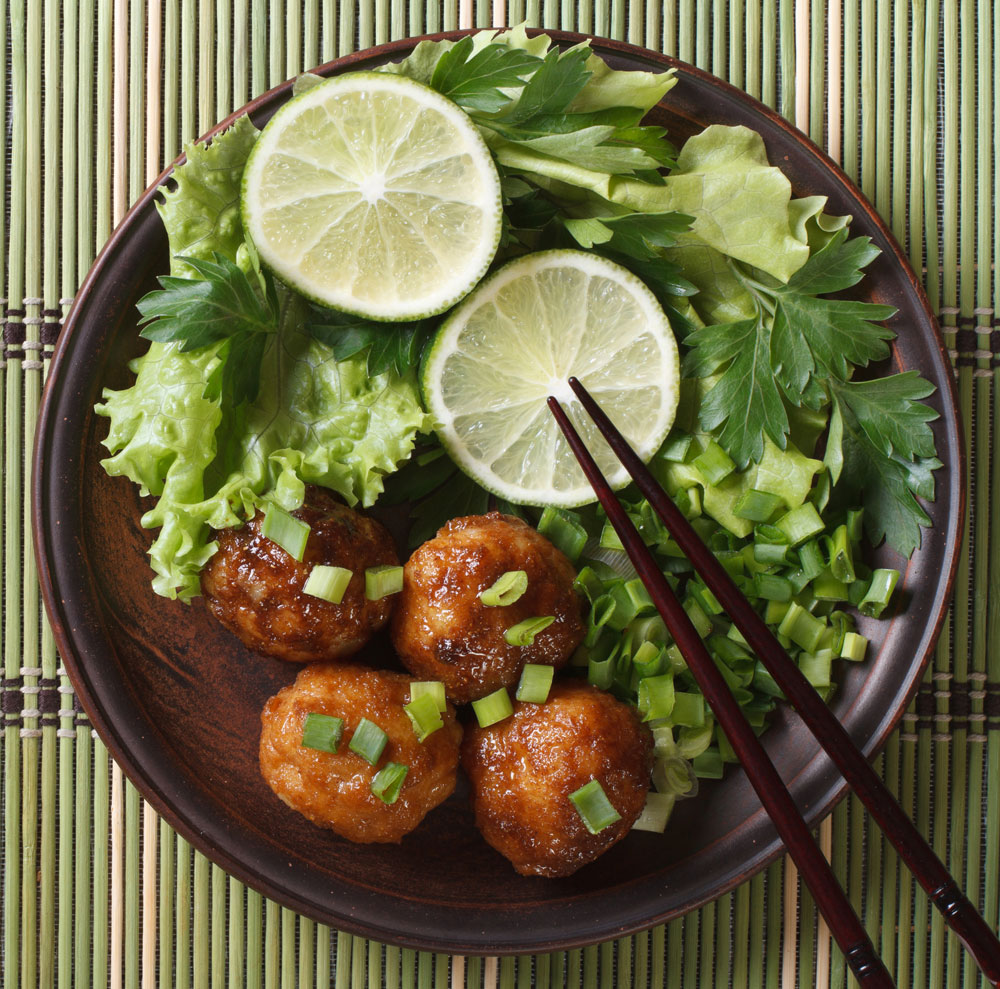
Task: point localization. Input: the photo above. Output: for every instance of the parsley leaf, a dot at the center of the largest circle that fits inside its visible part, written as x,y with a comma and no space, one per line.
221,305
476,81
880,453
552,87
636,235
389,345
747,385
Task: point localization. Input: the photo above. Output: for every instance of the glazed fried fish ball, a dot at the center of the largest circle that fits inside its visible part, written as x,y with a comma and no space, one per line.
523,770
443,631
255,588
334,789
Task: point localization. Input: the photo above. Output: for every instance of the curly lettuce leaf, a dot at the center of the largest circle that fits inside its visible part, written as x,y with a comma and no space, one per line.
314,420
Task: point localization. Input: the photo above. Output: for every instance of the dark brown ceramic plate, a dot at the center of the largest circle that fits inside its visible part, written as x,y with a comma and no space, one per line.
178,700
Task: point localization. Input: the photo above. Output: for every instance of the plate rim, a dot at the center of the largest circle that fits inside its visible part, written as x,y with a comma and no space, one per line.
956,481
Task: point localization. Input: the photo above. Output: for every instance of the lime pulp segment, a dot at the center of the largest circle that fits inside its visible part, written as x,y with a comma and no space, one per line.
374,194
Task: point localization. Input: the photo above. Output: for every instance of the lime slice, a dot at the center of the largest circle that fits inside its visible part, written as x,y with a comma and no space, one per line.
516,340
374,194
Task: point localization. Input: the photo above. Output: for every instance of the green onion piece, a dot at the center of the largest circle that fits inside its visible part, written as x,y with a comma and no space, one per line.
424,716
854,647
841,623
589,584
693,741
765,533
815,667
776,611
757,506
854,523
656,697
601,672
673,775
713,463
564,531
493,708
708,601
764,682
609,538
800,523
676,658
688,500
655,813
701,621
287,531
328,583
523,633
708,765
389,781
368,741
535,683
879,591
676,448
382,581
649,660
322,732
726,750
593,806
811,559
826,587
771,587
639,596
841,557
737,636
432,688
650,629
507,589
771,554
801,627
689,710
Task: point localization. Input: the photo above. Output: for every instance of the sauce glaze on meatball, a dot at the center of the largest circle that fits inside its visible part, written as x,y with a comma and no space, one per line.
524,768
255,588
442,631
333,790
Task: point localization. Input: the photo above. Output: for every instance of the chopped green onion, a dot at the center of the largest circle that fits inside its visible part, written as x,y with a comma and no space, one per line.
322,732
706,599
765,533
650,629
672,774
535,683
801,627
692,741
757,506
815,667
841,557
811,559
287,531
655,813
389,781
609,538
688,500
676,448
701,621
771,587
382,581
854,523
708,765
713,463
771,553
676,657
589,584
800,523
656,697
368,741
493,708
879,591
689,710
593,806
523,633
649,660
854,647
506,589
431,688
328,583
639,596
726,750
764,682
601,672
826,587
424,716
564,531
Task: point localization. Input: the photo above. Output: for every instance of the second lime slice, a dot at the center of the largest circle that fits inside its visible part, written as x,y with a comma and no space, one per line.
516,340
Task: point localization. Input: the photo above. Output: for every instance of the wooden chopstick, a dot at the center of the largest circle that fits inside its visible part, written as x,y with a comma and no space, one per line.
980,940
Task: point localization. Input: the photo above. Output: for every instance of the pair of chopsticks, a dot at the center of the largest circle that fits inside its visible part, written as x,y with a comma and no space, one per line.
980,940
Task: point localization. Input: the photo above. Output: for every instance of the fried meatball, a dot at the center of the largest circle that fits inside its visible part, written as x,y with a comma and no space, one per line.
333,790
442,631
255,588
523,770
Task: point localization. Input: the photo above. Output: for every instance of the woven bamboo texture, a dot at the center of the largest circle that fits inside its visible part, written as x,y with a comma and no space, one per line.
99,94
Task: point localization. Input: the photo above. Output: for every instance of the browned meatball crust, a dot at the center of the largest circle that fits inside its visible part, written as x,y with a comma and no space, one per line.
442,631
333,790
524,768
255,588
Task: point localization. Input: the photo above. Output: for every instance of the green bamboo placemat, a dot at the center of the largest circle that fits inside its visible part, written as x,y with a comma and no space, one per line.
99,94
